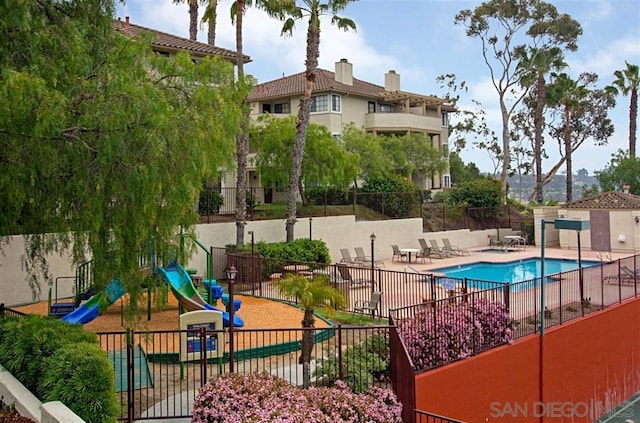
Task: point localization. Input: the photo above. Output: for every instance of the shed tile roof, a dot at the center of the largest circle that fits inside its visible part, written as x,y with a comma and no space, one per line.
607,200
294,85
169,42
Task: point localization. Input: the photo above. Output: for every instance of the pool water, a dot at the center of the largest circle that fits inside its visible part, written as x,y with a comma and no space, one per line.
513,271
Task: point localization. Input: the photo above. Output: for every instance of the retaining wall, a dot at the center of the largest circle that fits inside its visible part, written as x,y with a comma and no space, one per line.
576,372
14,393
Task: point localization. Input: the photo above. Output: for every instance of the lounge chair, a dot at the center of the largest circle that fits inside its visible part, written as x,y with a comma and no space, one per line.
370,306
425,253
453,249
346,256
436,251
361,257
397,253
626,276
345,276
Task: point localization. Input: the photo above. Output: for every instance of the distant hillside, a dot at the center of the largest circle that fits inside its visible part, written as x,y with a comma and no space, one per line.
520,188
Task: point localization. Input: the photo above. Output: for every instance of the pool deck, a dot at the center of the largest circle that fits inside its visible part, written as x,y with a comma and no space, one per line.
476,254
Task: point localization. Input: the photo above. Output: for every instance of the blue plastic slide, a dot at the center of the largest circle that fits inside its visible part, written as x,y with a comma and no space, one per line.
96,304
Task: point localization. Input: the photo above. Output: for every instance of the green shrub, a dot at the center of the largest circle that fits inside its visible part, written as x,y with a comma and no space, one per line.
210,202
30,340
396,196
302,249
362,364
478,193
332,196
81,376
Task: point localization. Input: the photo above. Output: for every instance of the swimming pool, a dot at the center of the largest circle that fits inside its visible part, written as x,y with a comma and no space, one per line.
512,271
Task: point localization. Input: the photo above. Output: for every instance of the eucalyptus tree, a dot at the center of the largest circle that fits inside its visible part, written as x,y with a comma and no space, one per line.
104,144
627,82
622,170
505,27
313,10
535,65
584,115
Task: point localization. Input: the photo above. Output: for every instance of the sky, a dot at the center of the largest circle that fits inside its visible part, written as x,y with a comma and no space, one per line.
420,41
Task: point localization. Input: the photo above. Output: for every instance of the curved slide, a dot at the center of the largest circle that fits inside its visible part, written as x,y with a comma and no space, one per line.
182,287
96,304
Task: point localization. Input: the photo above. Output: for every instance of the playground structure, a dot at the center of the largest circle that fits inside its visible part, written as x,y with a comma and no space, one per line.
174,275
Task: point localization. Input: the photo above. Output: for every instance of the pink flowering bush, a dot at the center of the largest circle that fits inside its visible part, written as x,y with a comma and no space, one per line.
455,332
262,398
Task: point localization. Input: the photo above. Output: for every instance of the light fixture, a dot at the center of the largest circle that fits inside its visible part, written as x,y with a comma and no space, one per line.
372,237
232,272
637,219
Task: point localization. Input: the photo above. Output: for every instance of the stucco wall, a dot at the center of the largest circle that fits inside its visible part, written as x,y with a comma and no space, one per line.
624,232
337,231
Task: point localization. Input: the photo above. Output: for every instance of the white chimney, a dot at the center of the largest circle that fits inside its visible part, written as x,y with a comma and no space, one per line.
625,188
391,81
344,72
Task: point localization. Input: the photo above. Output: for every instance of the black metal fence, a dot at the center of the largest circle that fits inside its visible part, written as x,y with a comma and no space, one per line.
567,296
9,312
159,373
424,417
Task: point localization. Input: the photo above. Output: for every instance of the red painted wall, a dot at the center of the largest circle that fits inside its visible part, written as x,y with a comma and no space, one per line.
590,365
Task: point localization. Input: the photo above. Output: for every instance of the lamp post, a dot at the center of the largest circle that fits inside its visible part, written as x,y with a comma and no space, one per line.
231,277
310,220
372,237
580,281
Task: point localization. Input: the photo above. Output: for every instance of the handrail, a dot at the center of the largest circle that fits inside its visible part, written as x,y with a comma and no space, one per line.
209,271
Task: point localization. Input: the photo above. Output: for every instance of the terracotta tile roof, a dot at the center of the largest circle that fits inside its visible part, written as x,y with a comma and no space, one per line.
325,81
607,200
294,85
172,43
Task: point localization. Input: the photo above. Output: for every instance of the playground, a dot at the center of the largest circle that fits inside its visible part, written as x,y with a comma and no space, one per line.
257,313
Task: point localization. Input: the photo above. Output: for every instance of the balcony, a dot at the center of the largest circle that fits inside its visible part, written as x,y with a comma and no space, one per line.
402,122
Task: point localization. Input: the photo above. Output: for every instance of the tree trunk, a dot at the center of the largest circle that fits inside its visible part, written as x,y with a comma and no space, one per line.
313,47
211,33
506,151
537,142
193,19
567,152
307,348
633,116
242,144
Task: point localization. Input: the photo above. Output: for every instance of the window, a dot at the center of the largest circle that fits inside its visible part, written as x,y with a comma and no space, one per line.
445,150
266,108
281,108
319,103
372,107
445,119
447,181
386,108
335,103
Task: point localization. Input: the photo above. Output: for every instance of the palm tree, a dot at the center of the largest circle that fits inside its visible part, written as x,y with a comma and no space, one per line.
627,81
567,93
193,17
535,64
210,16
314,9
310,294
273,9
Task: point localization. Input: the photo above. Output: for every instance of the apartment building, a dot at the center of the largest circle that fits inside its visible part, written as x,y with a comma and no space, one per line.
338,99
